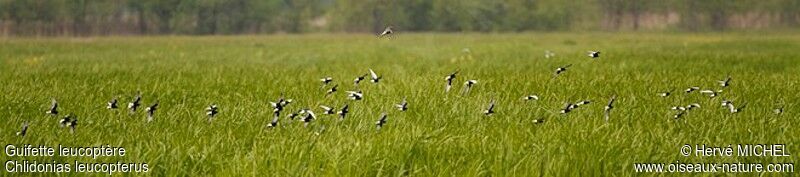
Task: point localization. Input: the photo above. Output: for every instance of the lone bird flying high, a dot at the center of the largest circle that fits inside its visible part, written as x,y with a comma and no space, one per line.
386,32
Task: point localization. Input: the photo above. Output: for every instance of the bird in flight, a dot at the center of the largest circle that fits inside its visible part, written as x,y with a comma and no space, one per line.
726,82
665,94
69,121
326,80
211,111
332,89
468,86
608,107
291,116
343,112
692,89
359,79
568,107
309,116
402,106
281,103
374,77
326,109
489,109
274,122
382,120
355,95
561,69
711,93
53,107
594,54
778,110
151,110
735,109
133,105
449,79
386,32
531,97
112,104
538,121
24,129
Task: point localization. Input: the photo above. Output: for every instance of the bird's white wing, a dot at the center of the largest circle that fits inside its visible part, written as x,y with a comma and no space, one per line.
372,73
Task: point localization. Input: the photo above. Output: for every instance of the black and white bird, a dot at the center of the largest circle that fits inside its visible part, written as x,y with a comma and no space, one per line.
562,69
386,32
468,86
343,112
359,79
274,122
678,108
489,109
608,107
567,108
374,77
402,106
725,83
151,110
212,111
332,89
726,102
70,121
679,114
692,106
778,110
137,101
72,125
281,103
549,54
665,94
538,121
531,97
594,54
711,93
692,89
355,95
53,107
382,120
291,116
112,104
449,79
735,109
326,80
309,116
326,109
24,129
65,120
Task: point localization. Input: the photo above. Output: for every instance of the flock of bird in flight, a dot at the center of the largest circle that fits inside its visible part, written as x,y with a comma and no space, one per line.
307,115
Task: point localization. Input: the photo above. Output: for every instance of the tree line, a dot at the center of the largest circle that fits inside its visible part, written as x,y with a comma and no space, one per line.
199,17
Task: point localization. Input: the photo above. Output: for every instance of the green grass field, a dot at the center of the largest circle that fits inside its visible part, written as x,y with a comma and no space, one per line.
442,134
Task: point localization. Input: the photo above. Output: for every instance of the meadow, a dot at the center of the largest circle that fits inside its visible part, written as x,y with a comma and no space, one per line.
441,134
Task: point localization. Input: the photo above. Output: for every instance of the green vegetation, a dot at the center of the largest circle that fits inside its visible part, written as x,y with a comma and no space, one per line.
197,17
442,134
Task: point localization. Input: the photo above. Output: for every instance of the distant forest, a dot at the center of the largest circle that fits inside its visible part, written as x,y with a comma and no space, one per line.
200,17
